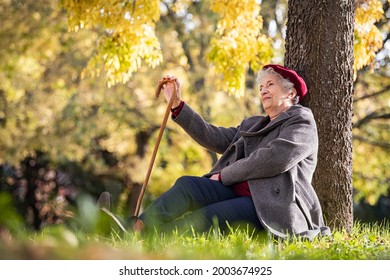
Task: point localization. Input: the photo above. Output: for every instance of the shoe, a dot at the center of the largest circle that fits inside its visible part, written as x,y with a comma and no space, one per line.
104,201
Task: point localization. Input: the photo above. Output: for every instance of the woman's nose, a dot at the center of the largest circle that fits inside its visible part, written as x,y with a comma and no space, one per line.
263,91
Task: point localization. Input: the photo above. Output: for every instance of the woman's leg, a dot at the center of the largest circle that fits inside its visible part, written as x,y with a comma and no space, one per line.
238,210
189,193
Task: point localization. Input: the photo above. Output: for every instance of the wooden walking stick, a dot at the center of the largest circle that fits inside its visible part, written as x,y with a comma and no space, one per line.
162,127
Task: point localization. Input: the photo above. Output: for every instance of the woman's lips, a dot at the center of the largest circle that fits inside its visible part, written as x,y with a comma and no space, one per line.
266,98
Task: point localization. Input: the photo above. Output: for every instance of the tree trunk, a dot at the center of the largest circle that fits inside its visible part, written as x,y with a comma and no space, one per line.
319,46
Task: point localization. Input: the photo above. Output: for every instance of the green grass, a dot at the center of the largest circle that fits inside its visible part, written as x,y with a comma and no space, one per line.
365,242
90,235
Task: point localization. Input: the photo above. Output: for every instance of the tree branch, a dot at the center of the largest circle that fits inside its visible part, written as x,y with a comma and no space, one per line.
383,90
383,145
372,116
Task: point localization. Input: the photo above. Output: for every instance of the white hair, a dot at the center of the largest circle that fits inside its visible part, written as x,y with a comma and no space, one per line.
286,83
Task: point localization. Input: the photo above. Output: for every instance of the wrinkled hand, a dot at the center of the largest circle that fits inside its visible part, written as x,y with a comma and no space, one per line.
170,87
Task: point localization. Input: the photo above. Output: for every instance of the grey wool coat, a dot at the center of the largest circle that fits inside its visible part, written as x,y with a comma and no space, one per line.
276,158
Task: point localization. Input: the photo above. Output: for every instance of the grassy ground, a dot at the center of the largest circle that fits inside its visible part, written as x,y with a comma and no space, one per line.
370,242
90,235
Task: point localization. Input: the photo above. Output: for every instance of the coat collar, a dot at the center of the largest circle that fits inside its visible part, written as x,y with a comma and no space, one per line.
259,128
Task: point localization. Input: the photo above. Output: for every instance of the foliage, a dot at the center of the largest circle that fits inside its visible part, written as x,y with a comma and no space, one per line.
371,177
238,42
105,136
368,38
371,173
9,219
77,122
128,36
24,61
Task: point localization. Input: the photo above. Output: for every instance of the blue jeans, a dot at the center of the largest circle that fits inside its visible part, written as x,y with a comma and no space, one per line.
199,203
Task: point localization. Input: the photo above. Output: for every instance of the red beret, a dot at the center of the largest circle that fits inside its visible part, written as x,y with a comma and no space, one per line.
292,76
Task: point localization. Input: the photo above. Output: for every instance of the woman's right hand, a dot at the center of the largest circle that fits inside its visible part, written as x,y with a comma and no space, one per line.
171,87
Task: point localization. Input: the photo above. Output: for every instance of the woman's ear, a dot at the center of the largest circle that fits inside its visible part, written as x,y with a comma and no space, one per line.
293,93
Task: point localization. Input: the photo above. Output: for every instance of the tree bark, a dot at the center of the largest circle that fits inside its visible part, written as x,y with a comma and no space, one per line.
319,46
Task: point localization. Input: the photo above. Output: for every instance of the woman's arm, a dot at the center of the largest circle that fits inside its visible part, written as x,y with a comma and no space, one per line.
216,139
297,140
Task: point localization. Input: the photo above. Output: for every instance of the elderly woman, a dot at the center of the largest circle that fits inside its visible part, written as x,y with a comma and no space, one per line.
264,174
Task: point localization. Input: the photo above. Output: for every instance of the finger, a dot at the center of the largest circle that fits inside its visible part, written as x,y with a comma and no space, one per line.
169,78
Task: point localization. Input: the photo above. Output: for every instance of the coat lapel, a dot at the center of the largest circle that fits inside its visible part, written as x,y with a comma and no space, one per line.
260,128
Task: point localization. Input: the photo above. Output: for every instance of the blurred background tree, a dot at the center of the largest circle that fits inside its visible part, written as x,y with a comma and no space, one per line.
77,111
371,129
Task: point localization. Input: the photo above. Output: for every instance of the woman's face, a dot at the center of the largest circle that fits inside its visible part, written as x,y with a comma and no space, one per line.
274,97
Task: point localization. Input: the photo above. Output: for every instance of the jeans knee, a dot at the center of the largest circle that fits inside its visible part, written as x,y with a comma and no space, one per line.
189,186
184,181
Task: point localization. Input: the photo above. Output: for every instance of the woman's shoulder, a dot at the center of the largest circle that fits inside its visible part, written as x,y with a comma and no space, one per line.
300,111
